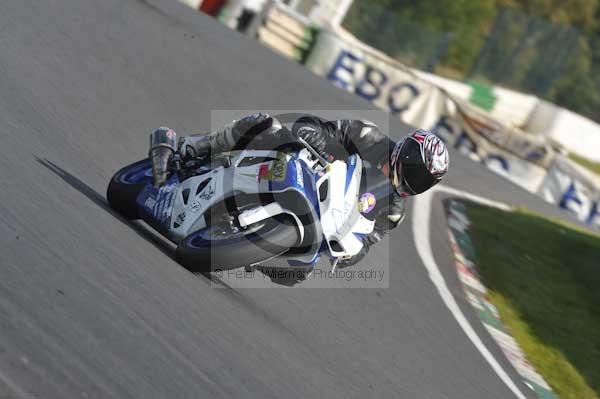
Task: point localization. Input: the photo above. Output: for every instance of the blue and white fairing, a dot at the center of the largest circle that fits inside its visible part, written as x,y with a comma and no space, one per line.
342,223
298,177
156,204
178,209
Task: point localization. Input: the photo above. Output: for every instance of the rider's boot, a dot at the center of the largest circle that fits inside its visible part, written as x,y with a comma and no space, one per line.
235,135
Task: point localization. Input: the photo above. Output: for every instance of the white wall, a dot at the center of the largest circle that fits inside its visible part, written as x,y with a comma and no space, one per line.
574,132
512,106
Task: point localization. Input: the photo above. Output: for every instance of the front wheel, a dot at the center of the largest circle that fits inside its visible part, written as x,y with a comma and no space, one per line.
125,186
221,247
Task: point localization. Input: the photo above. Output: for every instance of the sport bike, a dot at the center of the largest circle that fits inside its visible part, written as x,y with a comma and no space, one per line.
243,207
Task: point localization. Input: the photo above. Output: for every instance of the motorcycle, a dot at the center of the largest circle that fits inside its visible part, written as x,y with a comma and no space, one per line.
244,207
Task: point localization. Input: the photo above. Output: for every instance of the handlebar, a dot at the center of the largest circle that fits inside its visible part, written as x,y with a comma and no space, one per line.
314,152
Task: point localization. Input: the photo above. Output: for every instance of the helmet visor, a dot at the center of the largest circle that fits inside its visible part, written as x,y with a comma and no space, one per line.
416,178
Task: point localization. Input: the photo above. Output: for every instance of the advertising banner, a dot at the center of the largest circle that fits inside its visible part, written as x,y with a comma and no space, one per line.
526,159
459,131
353,66
573,188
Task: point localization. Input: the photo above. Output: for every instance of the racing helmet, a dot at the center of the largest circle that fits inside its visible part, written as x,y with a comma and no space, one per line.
418,162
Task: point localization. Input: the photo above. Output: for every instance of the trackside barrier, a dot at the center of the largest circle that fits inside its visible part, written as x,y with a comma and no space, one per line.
442,105
528,160
292,35
507,105
574,132
288,33
573,188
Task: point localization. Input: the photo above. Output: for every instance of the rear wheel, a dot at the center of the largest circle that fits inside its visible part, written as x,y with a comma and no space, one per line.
222,246
125,186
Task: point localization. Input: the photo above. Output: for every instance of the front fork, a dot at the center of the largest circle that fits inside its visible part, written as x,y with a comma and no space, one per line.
163,147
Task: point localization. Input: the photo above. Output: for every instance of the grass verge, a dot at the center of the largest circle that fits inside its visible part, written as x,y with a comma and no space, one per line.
544,278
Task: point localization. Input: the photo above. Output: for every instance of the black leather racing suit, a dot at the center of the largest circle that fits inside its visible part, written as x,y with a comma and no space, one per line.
338,138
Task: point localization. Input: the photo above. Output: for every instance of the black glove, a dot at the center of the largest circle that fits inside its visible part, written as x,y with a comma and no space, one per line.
314,138
191,147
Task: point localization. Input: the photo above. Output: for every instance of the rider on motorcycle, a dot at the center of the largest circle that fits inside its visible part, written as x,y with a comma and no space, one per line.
413,165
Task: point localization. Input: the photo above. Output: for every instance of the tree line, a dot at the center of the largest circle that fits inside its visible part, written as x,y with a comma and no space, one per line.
550,48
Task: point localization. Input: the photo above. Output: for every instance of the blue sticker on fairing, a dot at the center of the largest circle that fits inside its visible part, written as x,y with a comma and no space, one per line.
350,170
157,203
360,236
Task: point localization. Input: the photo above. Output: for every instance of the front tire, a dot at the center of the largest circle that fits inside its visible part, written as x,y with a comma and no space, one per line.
125,186
202,251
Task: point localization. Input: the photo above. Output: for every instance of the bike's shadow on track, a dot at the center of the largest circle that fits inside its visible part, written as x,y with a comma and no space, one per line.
162,244
165,246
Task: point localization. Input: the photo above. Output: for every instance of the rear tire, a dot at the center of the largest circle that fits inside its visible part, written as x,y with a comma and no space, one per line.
122,192
198,254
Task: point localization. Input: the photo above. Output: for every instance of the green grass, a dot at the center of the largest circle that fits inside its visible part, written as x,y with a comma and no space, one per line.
544,278
586,163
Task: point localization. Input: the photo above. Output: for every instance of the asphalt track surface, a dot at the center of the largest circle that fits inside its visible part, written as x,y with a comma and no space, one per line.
95,307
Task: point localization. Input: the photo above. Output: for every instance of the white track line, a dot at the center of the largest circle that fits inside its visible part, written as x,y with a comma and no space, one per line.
421,235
